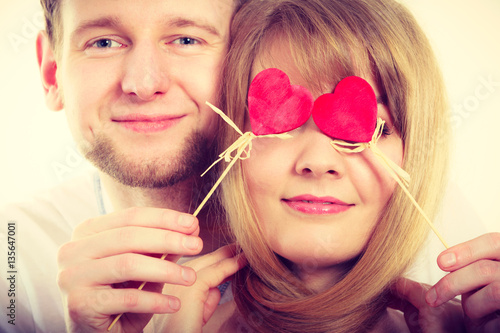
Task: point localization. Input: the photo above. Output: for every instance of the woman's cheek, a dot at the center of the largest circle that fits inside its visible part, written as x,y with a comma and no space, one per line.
255,177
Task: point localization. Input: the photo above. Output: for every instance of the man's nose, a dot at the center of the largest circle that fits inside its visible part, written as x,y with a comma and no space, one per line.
145,71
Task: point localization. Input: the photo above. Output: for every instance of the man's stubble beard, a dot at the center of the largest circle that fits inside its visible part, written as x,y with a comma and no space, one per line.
154,172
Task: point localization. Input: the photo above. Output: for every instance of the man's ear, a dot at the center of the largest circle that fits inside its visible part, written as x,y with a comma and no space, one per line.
48,68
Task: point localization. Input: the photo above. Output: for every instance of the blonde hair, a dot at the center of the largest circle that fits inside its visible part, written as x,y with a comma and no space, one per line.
330,40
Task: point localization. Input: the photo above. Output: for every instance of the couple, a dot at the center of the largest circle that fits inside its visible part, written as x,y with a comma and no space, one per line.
323,235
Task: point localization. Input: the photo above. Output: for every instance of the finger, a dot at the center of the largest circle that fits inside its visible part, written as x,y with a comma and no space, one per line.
409,311
411,291
141,217
483,247
108,301
224,252
489,324
129,240
122,268
211,304
400,292
493,324
464,280
220,271
203,296
482,303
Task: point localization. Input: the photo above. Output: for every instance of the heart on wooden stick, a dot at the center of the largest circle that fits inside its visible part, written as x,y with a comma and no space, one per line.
349,113
274,105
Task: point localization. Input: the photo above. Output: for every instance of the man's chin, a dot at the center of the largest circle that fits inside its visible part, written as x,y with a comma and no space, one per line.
153,172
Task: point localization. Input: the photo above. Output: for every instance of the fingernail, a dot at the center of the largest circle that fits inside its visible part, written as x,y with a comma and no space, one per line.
186,221
431,296
174,303
191,243
188,275
448,259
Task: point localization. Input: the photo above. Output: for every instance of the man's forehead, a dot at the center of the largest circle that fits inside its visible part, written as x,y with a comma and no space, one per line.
212,15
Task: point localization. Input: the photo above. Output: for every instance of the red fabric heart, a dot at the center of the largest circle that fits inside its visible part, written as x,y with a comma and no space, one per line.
350,113
275,106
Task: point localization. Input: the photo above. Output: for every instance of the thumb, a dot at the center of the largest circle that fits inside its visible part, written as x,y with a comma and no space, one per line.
211,304
410,291
408,297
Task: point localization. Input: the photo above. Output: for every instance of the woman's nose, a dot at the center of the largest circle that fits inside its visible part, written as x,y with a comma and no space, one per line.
316,157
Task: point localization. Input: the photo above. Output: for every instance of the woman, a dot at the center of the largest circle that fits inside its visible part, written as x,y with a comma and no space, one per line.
311,268
326,233
323,42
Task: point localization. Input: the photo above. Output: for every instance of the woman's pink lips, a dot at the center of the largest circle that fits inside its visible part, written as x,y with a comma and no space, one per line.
313,205
147,124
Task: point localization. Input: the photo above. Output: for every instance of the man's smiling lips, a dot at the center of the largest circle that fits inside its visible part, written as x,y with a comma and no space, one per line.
141,123
310,204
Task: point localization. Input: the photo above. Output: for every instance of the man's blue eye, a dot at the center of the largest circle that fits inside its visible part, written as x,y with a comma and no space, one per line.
105,43
186,41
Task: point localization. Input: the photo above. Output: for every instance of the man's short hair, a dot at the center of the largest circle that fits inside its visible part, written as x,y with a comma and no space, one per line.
53,26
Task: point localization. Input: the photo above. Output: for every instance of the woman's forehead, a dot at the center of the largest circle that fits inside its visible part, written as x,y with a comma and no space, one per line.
296,78
277,53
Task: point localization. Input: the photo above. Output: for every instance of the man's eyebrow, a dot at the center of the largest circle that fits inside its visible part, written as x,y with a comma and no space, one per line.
111,21
183,22
108,21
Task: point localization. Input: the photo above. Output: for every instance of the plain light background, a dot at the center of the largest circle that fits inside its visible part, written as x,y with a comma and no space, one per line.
37,151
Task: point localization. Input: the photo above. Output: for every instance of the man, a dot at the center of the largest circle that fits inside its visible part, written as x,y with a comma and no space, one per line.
133,78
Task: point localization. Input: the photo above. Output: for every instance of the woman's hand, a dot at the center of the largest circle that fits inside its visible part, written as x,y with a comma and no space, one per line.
474,268
408,296
199,301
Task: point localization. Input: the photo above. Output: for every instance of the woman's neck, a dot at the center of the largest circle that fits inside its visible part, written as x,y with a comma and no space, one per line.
319,279
227,319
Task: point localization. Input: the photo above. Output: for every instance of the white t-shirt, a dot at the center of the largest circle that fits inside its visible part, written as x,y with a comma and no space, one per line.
38,228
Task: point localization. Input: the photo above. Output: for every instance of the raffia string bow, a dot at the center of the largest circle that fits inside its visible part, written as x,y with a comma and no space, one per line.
241,149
